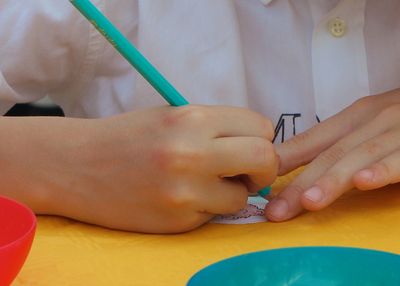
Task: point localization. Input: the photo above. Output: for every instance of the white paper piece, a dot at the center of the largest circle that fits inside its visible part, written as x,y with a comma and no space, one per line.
253,213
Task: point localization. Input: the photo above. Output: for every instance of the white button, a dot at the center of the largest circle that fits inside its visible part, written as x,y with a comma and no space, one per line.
265,2
337,27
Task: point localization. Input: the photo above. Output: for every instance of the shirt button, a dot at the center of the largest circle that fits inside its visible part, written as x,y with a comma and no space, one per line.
337,27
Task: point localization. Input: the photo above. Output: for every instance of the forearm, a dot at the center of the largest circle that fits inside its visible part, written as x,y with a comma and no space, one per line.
36,153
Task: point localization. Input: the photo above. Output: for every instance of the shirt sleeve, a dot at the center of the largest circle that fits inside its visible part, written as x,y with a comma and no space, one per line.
42,44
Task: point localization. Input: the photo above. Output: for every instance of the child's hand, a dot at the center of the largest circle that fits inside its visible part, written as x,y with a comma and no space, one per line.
169,169
359,147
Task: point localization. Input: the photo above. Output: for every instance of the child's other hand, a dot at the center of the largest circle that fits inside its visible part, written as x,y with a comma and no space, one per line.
171,169
357,148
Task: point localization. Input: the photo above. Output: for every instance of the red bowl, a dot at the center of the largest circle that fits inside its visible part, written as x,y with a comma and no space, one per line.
17,229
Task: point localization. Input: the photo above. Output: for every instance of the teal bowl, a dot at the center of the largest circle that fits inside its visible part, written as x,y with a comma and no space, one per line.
304,266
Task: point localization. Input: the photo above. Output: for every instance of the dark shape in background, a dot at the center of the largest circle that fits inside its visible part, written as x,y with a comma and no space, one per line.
34,110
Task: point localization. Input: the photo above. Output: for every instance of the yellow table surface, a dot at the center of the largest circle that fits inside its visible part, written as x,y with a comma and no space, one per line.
67,252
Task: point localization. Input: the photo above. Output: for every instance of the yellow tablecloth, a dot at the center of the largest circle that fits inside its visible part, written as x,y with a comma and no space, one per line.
70,253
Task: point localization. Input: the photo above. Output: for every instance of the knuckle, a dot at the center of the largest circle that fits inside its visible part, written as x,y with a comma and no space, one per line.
301,139
332,155
363,103
296,189
179,197
191,114
170,119
372,147
383,169
331,179
178,156
264,124
196,114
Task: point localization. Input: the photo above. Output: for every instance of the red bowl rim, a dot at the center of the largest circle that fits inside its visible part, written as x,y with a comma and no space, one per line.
31,229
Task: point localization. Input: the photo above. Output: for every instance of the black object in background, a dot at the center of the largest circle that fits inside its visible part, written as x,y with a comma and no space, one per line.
34,110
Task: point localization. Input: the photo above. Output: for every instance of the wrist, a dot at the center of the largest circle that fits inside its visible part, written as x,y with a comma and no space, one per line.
38,160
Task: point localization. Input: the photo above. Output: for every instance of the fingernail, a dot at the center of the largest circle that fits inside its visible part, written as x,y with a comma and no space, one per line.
278,208
366,174
314,194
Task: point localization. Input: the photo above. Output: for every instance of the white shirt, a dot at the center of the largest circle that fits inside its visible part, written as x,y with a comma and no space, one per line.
279,58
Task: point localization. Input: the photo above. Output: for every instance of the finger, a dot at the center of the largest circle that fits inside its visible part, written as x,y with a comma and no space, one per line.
289,199
338,179
225,196
379,174
251,156
229,121
304,147
286,204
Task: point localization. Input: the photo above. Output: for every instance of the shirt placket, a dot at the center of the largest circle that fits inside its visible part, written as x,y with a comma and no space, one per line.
339,61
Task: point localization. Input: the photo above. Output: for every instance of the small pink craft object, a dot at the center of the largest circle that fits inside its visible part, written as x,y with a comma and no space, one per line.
250,210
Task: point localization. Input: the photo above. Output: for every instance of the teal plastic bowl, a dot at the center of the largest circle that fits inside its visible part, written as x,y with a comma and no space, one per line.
304,266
